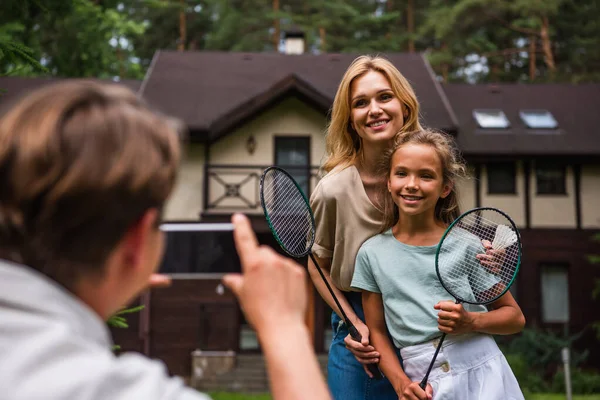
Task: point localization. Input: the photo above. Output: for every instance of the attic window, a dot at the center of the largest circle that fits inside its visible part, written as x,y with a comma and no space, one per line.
538,119
491,119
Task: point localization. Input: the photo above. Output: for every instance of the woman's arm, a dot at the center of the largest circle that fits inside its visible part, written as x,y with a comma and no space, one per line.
504,318
363,351
389,364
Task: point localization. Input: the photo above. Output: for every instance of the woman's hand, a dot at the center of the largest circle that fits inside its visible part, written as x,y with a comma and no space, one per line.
454,319
412,391
492,260
362,351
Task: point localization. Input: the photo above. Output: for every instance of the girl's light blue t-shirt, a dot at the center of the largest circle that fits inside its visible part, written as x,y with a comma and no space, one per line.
406,278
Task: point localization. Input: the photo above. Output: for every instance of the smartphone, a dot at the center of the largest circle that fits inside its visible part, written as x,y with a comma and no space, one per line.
199,248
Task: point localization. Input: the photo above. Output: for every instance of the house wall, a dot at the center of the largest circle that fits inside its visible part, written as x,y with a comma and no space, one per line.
291,117
553,211
186,201
590,196
512,204
466,191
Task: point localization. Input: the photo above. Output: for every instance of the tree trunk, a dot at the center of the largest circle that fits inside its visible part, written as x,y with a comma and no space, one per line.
182,27
322,36
547,46
445,67
276,31
410,25
532,57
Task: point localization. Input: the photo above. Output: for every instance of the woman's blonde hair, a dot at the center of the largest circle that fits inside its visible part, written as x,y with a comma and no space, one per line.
453,167
342,142
80,162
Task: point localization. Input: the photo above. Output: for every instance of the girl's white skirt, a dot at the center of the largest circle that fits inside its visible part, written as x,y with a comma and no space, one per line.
468,367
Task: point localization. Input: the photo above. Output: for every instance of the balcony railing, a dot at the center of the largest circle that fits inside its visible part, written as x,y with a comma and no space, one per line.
235,188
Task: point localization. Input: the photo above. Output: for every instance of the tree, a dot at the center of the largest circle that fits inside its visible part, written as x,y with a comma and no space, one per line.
81,38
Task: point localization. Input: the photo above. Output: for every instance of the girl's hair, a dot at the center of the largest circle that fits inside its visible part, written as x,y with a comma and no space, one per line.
453,167
342,142
80,163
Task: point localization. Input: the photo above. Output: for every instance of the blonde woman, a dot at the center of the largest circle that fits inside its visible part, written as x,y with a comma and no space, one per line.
374,102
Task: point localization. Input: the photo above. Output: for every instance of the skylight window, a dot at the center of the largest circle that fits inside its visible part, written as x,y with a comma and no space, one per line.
491,119
538,119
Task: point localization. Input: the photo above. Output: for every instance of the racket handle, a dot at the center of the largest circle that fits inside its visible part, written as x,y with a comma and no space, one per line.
423,383
354,334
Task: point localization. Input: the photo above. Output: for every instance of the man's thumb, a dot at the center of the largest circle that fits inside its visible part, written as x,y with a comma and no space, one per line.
234,282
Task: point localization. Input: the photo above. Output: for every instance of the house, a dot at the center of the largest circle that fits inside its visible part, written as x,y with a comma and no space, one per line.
532,150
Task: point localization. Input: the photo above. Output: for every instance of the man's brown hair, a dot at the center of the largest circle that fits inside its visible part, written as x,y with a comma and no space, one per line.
80,163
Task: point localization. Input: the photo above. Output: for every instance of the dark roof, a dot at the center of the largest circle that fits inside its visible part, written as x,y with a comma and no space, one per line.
204,88
575,108
13,88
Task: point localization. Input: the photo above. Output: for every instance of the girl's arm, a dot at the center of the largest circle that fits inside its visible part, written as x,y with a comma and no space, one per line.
504,318
363,351
389,364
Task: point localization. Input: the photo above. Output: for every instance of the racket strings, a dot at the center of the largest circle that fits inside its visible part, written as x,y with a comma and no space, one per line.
287,212
479,280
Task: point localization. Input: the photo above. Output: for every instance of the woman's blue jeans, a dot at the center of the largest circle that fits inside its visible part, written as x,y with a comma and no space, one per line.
346,377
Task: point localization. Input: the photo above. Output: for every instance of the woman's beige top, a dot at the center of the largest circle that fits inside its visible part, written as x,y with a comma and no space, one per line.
345,218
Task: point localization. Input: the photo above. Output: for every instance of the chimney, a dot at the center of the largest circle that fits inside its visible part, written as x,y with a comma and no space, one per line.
294,40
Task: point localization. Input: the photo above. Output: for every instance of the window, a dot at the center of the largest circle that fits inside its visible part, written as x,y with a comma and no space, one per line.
501,178
491,119
550,178
293,155
555,292
538,119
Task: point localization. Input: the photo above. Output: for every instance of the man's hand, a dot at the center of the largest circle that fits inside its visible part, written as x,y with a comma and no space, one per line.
159,281
453,318
271,289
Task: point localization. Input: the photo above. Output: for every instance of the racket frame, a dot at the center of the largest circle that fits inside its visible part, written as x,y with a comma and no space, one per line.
423,383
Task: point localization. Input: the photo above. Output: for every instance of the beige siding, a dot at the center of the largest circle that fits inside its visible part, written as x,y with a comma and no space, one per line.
553,211
291,117
590,196
512,204
466,191
185,203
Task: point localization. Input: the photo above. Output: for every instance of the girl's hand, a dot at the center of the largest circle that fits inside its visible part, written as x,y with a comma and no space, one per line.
413,391
453,318
362,351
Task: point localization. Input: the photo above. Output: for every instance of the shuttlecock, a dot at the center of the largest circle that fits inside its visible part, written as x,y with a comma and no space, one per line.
504,237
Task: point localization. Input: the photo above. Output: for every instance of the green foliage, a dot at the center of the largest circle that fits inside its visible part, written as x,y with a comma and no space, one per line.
532,382
118,321
541,350
464,40
582,382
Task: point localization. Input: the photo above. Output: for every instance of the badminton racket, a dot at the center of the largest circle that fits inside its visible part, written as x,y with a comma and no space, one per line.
292,223
477,260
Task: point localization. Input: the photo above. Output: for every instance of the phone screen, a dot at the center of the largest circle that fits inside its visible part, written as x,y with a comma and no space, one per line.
199,248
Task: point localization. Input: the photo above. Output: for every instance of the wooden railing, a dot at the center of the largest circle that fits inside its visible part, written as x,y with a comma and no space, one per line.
235,188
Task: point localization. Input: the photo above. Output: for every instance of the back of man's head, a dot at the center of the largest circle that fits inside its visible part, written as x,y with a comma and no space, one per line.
80,163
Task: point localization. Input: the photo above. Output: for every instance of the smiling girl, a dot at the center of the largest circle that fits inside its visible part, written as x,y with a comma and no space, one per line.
401,291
